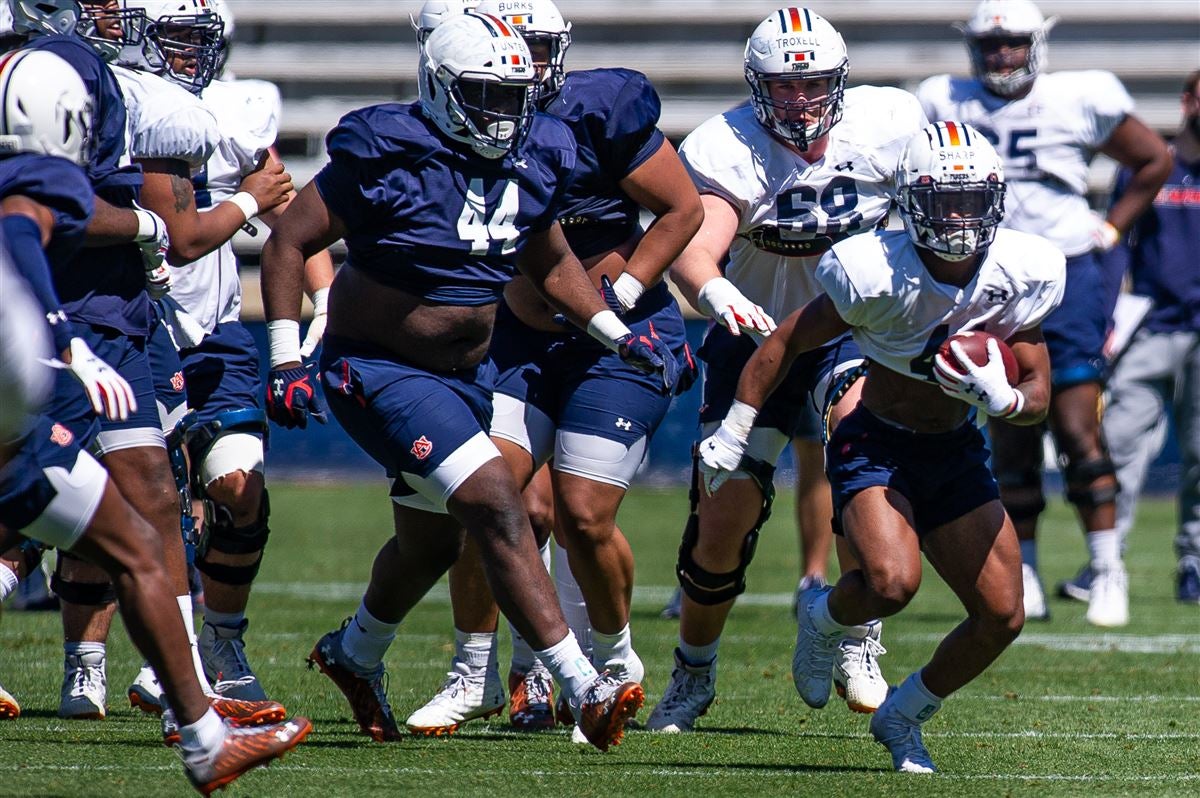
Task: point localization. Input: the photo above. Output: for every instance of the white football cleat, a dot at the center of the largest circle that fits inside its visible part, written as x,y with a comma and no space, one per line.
465,695
806,583
688,696
856,673
902,738
812,661
1035,597
146,693
9,708
1108,600
84,687
223,654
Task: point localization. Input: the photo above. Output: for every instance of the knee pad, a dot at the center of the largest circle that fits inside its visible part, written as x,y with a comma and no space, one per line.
200,437
706,587
1029,502
221,535
90,594
1080,474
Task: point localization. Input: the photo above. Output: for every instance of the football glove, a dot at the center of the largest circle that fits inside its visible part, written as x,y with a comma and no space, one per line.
622,295
108,392
720,455
722,301
291,398
645,353
152,239
1104,235
985,387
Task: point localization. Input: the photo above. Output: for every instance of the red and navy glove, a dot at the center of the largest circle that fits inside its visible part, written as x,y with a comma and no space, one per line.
291,398
643,352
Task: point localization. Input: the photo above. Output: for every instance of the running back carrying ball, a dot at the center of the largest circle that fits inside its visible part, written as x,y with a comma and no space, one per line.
974,346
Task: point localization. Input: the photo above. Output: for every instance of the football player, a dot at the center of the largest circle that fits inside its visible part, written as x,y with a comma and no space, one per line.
908,466
1047,127
563,396
49,488
440,201
807,163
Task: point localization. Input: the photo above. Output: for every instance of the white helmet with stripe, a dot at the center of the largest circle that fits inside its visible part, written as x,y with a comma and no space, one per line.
44,107
435,12
950,190
790,46
1019,21
541,24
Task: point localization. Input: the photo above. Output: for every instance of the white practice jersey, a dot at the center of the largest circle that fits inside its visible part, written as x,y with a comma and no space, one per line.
790,211
165,120
247,114
1046,139
900,315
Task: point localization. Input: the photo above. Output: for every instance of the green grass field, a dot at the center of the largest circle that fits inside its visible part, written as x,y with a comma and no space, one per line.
1066,711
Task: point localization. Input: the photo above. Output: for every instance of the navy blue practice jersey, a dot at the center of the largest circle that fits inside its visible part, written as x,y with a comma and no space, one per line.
60,186
430,217
614,116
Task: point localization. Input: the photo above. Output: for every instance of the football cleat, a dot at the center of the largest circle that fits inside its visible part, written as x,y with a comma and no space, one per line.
806,583
688,696
1035,597
562,711
366,691
812,661
9,708
84,687
223,654
856,674
465,695
674,606
902,738
243,750
1077,588
607,705
146,693
1108,600
1187,581
531,705
242,714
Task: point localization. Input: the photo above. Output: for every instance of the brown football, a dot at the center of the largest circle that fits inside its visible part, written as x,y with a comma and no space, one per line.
974,344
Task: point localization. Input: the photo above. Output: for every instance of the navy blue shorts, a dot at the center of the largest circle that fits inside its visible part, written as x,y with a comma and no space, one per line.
25,492
581,385
408,419
170,390
1076,329
943,475
222,372
792,408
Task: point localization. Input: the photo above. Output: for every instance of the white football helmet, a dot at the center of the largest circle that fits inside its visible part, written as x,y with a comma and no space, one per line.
795,44
225,12
46,108
434,12
478,84
187,29
109,27
1007,19
950,190
540,23
39,17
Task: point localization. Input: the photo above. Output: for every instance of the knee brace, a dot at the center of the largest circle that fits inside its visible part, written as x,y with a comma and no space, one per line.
706,587
90,594
221,535
200,437
1080,474
179,470
1029,502
31,555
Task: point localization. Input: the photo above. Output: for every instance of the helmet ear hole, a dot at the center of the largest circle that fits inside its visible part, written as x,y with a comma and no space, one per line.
46,107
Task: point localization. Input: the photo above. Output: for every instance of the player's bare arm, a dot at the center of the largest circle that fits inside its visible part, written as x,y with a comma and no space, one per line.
1136,146
168,191
698,263
662,186
554,270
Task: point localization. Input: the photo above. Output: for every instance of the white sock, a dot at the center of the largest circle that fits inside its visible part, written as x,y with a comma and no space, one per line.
699,656
570,599
8,582
608,648
476,650
914,701
83,647
546,554
1105,549
569,666
189,623
367,638
826,625
231,620
204,737
1029,553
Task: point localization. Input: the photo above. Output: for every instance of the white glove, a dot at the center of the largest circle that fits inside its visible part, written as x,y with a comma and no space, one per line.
985,387
721,300
1104,235
720,455
107,390
316,328
158,281
152,239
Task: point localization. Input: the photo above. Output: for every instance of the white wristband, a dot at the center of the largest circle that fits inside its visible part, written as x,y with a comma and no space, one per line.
606,328
147,225
740,419
320,301
246,203
628,290
1017,406
284,338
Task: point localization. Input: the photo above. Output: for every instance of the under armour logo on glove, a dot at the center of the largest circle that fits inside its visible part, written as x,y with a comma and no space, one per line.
291,398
